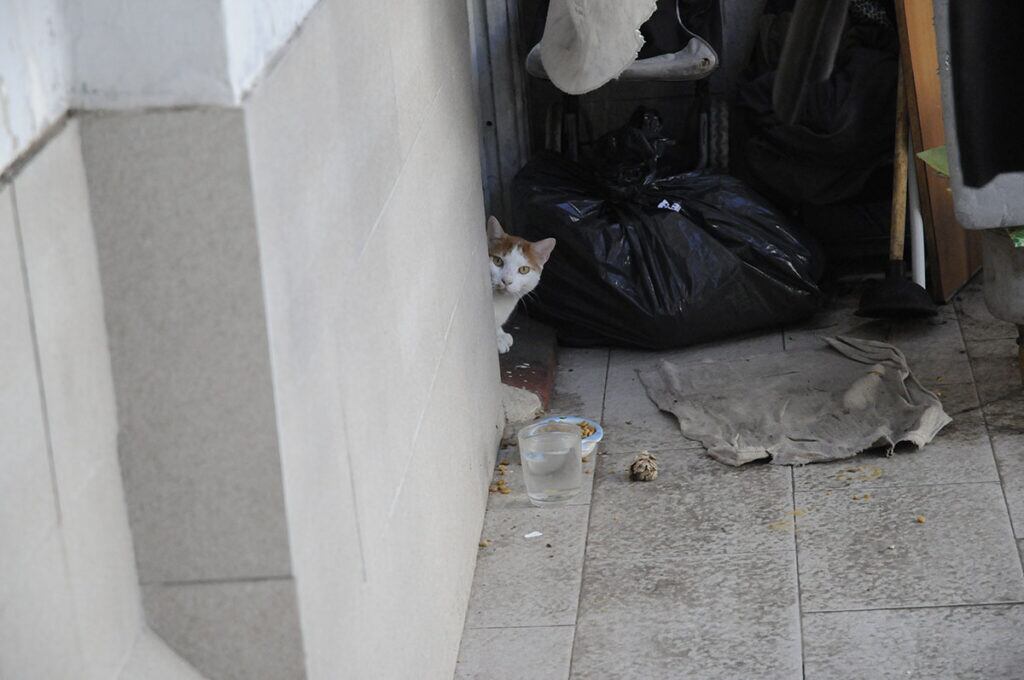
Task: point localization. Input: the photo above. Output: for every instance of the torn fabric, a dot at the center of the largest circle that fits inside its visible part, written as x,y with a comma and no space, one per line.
586,43
810,406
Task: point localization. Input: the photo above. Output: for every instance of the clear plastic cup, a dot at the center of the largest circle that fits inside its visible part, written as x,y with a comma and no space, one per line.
551,465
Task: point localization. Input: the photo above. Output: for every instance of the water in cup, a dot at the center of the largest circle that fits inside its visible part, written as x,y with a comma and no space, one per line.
551,466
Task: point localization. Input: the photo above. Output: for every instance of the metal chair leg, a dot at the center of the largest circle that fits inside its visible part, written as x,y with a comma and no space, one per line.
572,126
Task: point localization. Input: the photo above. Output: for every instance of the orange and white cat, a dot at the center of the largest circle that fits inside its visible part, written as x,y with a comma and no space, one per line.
516,266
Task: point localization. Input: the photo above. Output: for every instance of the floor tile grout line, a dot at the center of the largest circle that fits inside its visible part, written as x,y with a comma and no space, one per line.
991,443
823,489
955,605
586,537
796,562
691,557
981,405
536,625
633,452
529,508
816,490
604,392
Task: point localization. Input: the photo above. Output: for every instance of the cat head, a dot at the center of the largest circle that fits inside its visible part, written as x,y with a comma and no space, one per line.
516,264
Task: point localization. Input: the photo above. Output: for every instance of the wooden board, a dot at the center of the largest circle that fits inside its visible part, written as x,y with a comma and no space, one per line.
954,253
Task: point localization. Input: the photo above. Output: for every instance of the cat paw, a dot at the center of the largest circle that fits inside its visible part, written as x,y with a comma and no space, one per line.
504,342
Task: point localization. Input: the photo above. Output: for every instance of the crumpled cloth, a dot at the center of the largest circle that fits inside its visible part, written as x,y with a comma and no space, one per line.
586,43
810,406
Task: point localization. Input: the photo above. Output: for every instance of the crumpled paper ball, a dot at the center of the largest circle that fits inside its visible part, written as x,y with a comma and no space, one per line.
644,467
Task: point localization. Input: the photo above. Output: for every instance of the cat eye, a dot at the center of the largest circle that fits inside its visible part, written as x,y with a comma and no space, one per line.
524,269
497,260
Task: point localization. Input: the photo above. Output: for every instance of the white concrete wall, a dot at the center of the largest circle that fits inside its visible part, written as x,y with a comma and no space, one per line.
34,72
370,218
69,593
256,30
148,53
301,346
111,54
180,262
186,52
71,604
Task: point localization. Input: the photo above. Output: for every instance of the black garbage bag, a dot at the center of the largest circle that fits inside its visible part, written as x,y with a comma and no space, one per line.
658,261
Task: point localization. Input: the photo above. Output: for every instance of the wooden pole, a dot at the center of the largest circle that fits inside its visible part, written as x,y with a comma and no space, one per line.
898,226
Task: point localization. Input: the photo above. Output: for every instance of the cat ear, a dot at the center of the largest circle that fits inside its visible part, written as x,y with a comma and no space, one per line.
542,250
494,229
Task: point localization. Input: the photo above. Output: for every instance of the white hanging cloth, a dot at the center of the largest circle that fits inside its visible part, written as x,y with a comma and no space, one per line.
587,43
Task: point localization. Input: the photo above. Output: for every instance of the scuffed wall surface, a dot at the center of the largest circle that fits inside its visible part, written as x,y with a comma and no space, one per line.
373,254
69,595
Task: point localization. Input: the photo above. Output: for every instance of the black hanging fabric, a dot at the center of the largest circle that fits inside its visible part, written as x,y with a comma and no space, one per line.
986,41
673,23
844,131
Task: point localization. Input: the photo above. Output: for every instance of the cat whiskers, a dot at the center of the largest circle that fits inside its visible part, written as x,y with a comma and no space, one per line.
532,294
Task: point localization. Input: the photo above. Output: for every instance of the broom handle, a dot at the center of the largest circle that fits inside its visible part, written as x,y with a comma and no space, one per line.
898,226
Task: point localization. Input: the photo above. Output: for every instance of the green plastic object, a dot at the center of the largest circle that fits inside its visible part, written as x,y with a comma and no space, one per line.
936,159
1016,236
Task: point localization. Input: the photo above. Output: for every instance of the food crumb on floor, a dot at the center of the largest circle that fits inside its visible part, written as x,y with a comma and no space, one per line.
484,543
859,474
920,519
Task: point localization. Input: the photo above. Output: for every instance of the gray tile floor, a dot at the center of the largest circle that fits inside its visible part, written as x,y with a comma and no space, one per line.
819,572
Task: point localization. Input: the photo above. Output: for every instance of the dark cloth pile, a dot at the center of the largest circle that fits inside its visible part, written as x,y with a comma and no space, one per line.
844,134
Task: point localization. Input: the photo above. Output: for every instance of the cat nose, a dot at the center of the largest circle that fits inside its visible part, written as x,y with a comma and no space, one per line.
507,282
